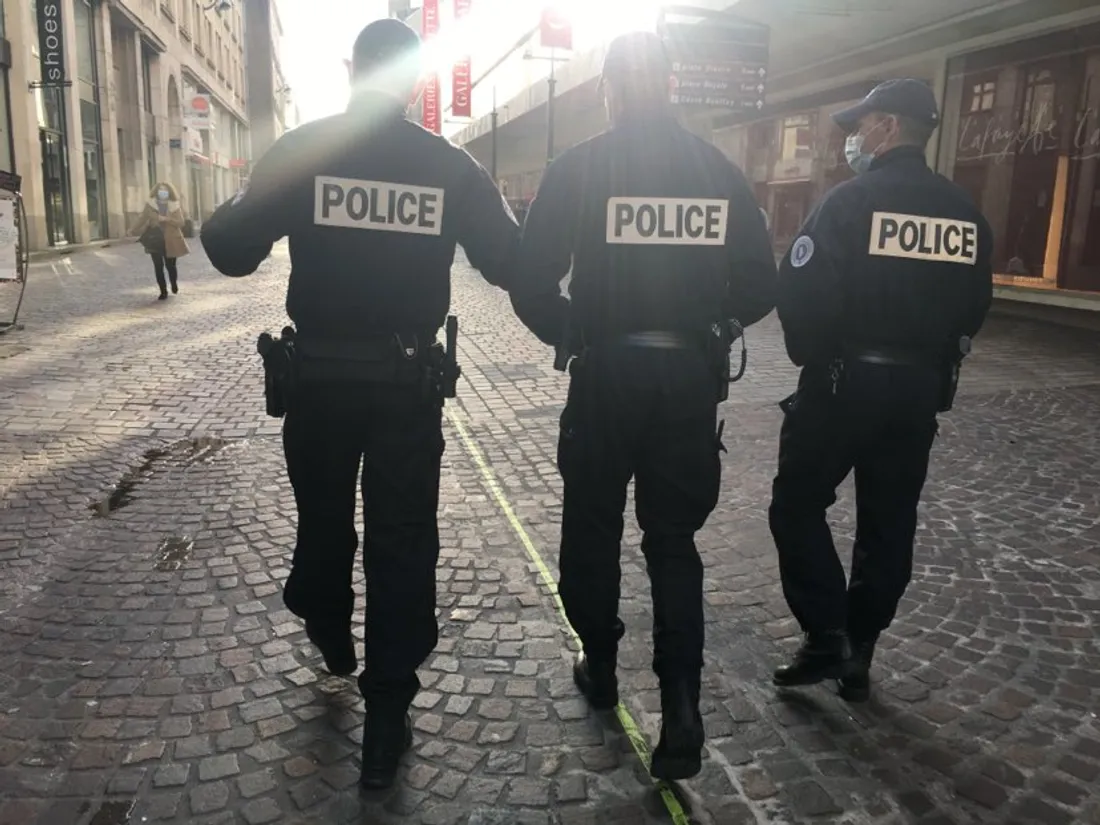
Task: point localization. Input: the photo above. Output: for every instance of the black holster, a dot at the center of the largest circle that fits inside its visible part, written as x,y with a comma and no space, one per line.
951,373
949,385
720,342
278,358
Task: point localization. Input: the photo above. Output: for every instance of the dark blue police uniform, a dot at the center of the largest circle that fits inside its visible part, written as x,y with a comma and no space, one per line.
891,271
373,206
665,242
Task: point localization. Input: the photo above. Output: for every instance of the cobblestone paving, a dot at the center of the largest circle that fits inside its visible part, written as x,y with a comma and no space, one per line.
148,671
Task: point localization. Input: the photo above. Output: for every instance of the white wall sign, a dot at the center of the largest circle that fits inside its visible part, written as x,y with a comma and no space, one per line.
9,240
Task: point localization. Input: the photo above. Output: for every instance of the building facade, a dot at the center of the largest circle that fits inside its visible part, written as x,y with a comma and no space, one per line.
155,90
1018,83
268,92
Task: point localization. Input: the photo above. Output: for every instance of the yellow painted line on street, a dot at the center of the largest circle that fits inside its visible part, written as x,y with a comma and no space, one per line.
633,732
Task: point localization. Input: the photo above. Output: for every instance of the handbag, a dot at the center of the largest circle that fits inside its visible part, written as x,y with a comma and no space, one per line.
153,239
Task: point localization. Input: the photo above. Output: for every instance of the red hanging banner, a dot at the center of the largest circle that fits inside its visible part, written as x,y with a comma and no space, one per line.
555,30
460,76
429,28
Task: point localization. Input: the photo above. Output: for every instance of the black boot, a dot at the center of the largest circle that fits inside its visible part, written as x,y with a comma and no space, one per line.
175,288
387,734
856,686
596,680
163,295
679,753
822,656
336,645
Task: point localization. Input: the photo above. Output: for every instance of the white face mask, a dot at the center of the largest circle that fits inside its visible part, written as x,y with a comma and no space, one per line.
859,160
162,194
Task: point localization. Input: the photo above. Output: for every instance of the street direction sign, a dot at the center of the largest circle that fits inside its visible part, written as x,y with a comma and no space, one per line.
735,70
737,104
718,60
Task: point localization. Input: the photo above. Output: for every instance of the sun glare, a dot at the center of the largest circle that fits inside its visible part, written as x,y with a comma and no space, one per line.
493,25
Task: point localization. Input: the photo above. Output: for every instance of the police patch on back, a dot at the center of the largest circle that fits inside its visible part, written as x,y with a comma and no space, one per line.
378,205
679,221
921,238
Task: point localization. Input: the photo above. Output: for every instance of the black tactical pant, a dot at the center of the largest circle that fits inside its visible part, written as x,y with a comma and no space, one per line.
650,414
881,422
397,434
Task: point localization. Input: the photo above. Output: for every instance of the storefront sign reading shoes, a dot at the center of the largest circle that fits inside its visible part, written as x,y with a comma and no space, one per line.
51,52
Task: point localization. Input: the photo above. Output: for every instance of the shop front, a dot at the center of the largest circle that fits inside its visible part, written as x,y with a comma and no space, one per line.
7,142
791,161
1022,136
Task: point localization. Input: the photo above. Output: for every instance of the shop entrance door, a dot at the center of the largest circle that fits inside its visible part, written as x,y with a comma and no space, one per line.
1080,265
55,184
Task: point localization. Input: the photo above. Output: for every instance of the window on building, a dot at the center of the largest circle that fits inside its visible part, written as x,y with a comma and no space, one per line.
147,80
798,138
88,87
1014,151
983,95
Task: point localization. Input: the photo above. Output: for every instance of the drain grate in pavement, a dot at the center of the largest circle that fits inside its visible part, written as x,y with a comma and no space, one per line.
172,552
113,813
186,452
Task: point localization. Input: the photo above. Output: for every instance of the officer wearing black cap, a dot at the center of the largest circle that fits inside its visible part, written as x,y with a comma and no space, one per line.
666,244
373,205
879,297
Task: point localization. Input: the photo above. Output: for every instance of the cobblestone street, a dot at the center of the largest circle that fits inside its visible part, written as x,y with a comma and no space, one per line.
149,672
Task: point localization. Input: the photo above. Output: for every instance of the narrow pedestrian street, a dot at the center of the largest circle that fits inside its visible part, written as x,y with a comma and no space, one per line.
149,672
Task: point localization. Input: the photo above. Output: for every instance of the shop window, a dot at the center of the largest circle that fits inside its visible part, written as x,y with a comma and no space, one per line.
983,94
798,138
1007,154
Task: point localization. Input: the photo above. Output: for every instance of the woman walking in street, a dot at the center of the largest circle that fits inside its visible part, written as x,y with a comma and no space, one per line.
160,231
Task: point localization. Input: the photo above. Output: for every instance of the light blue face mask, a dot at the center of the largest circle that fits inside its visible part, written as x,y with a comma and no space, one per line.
163,194
859,160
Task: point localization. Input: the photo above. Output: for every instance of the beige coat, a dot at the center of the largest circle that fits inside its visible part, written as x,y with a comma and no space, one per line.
175,246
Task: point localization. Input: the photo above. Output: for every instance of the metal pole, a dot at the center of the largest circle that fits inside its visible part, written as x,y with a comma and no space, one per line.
550,112
493,156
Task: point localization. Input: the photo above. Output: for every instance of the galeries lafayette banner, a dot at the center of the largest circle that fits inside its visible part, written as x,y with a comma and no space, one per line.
433,121
460,78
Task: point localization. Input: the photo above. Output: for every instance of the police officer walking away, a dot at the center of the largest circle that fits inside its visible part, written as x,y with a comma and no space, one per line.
373,206
879,297
666,244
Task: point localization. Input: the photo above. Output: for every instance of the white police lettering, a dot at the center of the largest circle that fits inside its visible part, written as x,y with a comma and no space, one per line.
378,205
681,221
921,238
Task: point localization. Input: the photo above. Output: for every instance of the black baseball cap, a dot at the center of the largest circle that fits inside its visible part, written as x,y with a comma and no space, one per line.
636,54
385,41
906,96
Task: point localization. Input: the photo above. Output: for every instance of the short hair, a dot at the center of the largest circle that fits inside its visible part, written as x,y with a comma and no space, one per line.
389,46
637,67
913,131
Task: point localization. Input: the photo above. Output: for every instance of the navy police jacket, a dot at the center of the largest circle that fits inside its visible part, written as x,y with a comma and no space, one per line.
897,259
659,229
373,206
